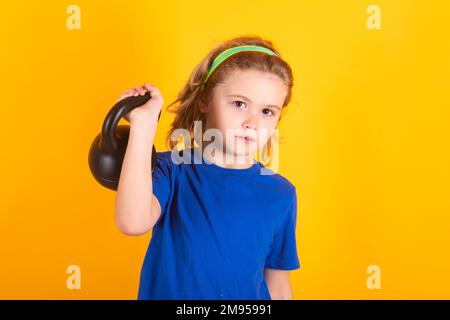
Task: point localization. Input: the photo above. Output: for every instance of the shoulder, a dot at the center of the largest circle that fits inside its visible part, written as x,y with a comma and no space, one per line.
280,194
276,191
277,181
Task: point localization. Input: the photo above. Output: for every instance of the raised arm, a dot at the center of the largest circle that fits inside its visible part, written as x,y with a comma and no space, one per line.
136,208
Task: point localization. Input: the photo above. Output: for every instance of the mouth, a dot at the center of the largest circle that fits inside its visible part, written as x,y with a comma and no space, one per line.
246,139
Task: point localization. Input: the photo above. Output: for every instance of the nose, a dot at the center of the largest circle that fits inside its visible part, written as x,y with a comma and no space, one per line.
250,124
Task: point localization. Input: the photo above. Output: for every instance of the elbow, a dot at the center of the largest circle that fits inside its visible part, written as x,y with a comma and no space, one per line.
130,228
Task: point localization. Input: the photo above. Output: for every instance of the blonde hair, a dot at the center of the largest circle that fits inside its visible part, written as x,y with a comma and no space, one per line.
187,104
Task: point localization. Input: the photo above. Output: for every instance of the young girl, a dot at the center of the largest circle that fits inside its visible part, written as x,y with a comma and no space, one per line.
221,229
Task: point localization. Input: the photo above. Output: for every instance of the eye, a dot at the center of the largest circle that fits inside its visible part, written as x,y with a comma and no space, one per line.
271,112
238,101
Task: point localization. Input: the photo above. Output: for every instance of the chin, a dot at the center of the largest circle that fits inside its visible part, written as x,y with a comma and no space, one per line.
244,151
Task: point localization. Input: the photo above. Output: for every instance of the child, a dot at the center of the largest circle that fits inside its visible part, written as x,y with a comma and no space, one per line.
221,229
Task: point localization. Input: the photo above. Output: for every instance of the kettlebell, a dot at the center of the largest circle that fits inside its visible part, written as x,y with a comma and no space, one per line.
109,146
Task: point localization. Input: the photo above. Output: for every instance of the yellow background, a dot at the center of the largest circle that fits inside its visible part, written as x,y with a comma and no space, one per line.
366,137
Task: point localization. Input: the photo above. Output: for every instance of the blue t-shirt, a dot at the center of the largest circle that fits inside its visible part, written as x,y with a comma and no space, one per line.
218,229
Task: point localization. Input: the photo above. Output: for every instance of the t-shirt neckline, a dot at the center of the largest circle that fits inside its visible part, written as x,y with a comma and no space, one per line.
197,154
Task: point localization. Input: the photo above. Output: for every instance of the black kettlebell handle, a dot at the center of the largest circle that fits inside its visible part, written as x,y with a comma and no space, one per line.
109,146
114,115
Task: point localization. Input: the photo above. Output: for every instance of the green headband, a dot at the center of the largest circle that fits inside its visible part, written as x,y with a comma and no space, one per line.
229,52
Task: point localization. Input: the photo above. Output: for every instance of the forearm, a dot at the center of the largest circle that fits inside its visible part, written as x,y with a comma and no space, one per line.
279,284
134,192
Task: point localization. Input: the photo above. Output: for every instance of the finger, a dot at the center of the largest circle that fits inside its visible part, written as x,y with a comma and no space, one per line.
140,90
149,87
128,93
154,91
136,89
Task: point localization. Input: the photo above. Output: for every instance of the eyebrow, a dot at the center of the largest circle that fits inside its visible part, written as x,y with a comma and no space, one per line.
245,98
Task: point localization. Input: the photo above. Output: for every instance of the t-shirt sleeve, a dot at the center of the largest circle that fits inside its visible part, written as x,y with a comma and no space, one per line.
161,180
283,252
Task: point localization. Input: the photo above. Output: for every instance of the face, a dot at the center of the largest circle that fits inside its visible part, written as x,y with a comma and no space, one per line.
248,103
